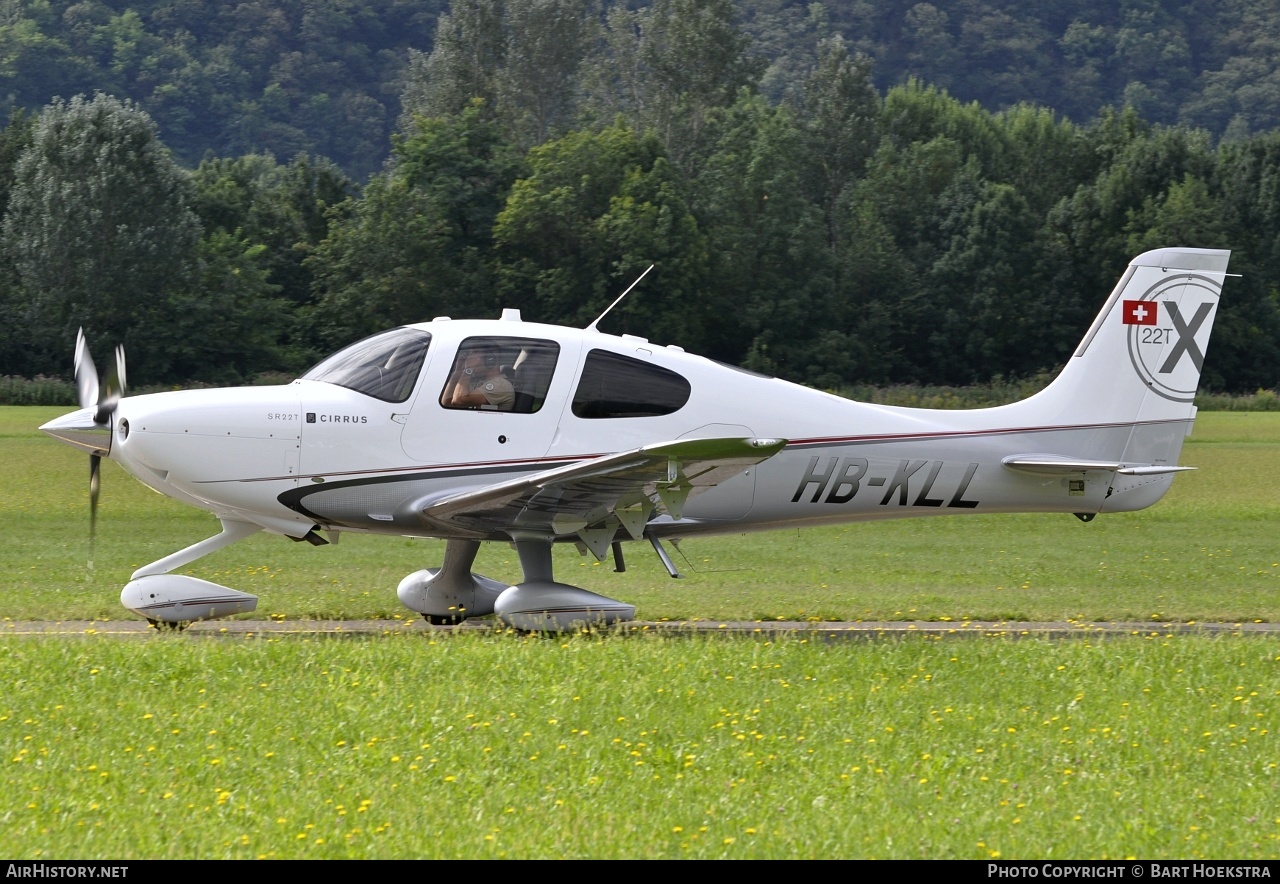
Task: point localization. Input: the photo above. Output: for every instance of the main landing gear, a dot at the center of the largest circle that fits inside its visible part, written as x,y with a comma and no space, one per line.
451,593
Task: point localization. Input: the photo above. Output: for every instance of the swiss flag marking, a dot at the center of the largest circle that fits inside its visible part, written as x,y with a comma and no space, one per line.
1140,312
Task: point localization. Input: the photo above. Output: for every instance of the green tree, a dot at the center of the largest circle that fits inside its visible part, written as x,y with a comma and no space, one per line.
538,83
99,227
35,64
916,113
1247,177
595,210
913,202
1046,157
520,57
770,265
1091,228
226,327
1242,95
783,35
286,208
666,67
417,244
470,47
984,311
838,110
926,30
15,350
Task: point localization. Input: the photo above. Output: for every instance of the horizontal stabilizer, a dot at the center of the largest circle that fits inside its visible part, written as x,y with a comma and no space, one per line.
1051,464
1151,470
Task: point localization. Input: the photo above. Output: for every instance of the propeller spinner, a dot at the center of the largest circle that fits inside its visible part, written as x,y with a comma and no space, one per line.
90,428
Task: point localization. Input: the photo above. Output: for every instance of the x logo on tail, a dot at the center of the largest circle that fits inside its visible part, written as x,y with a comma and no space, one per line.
1186,336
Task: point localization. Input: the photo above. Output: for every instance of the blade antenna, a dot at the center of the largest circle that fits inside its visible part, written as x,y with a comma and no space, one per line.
592,326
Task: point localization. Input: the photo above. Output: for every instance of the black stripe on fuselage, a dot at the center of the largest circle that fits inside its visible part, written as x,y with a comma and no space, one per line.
293,498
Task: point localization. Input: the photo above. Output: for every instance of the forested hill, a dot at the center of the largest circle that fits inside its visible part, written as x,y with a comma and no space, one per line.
325,76
1200,63
257,184
276,76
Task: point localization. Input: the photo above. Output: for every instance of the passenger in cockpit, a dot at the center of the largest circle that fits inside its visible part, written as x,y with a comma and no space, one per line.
477,382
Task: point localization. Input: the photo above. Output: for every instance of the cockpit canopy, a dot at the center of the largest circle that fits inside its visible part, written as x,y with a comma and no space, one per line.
385,366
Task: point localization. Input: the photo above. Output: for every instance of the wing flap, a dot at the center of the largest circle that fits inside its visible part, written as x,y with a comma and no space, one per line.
615,490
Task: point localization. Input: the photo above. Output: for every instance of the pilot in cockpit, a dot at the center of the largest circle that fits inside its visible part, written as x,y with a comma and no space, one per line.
477,382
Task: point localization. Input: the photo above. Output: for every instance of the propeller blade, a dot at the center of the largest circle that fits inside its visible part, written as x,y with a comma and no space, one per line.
95,464
120,367
86,373
106,397
112,389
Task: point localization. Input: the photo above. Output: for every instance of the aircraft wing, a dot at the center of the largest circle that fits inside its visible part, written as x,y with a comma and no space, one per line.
593,498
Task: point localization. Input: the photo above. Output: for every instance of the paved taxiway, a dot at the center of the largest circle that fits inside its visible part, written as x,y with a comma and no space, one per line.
827,631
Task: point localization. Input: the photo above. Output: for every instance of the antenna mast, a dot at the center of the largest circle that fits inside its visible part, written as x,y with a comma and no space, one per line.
592,326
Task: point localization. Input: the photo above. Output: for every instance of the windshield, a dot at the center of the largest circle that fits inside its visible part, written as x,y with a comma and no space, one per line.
384,366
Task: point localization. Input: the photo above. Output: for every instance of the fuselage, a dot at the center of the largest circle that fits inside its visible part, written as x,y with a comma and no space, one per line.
353,445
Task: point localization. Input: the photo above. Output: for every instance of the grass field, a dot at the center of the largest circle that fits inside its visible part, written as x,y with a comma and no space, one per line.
1209,551
490,745
493,745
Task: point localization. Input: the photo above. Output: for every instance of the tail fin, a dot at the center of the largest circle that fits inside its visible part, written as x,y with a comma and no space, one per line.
1132,381
1141,359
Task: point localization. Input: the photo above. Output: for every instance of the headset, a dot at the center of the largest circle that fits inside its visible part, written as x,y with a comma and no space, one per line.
489,356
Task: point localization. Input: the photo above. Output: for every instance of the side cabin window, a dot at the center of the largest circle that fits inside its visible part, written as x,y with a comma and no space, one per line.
385,366
620,386
492,373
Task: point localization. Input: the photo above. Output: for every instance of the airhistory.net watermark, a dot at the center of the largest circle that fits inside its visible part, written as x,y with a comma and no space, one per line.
64,870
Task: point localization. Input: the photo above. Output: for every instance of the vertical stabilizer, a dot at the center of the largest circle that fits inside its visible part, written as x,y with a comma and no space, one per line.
1142,357
1131,383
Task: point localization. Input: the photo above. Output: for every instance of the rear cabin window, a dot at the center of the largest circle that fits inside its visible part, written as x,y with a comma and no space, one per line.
619,386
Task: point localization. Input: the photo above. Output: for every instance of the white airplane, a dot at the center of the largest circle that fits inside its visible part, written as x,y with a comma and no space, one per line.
513,431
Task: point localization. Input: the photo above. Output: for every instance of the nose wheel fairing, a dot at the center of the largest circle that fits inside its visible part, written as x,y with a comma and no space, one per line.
158,596
179,599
